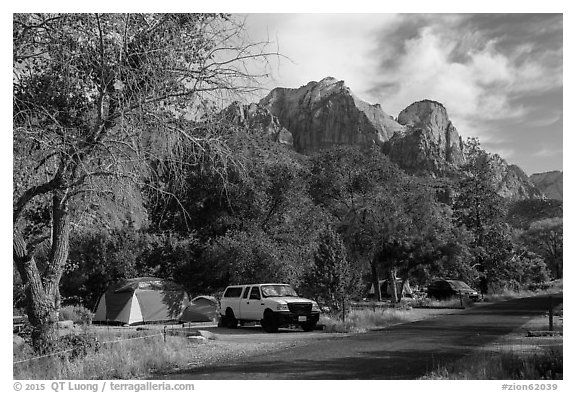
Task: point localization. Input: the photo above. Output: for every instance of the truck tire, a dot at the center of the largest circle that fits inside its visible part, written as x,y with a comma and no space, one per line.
269,323
230,320
308,326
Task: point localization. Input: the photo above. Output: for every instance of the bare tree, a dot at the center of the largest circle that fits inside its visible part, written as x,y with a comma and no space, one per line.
97,97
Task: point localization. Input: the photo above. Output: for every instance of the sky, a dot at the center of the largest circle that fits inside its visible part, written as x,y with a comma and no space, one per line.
499,76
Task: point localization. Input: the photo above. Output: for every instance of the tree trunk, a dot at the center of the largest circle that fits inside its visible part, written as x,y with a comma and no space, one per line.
392,282
42,291
40,308
375,281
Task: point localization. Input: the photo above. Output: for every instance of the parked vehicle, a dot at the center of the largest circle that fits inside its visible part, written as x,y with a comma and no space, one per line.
273,305
444,289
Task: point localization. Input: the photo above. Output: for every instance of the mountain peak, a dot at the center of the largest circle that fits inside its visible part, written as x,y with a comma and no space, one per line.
326,113
427,114
330,80
550,183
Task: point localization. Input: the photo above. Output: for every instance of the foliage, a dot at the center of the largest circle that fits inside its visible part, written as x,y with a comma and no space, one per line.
480,209
521,214
96,259
77,314
180,258
545,237
249,256
101,103
331,279
77,346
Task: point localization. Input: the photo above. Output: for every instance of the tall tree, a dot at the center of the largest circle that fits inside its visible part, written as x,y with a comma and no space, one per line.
545,237
96,97
332,278
480,209
345,181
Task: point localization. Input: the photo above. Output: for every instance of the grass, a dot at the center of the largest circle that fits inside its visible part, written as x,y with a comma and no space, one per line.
359,321
515,356
454,302
123,360
538,365
506,294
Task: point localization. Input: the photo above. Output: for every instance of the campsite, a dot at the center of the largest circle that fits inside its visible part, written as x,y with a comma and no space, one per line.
204,350
402,175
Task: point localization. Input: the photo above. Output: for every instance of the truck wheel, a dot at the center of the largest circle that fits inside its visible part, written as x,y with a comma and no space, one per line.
269,322
308,326
230,321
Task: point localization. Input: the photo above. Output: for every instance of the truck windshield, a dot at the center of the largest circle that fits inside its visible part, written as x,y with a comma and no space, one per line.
278,290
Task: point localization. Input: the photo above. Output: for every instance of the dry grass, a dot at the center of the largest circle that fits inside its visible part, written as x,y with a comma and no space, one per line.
511,365
515,356
121,360
454,302
360,321
507,294
140,358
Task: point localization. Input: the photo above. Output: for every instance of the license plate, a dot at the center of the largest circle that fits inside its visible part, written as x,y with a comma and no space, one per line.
302,319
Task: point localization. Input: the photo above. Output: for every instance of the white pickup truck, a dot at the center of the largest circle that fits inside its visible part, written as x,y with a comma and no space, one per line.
273,305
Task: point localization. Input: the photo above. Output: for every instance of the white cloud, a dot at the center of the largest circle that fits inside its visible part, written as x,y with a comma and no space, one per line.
476,86
320,45
547,152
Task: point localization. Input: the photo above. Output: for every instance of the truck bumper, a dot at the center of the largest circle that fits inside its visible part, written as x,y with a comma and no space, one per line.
287,318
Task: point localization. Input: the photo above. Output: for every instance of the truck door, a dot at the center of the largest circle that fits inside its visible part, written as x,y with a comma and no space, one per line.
244,304
254,305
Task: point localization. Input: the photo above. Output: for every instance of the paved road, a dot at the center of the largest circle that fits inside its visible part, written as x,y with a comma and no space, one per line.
401,352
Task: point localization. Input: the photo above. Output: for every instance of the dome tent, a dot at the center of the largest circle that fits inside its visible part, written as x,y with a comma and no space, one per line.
141,300
201,309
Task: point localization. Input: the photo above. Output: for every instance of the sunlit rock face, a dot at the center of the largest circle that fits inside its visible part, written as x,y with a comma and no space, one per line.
550,183
429,142
324,114
259,119
422,141
510,181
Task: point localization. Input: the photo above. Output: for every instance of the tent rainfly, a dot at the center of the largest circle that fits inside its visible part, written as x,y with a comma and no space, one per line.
201,309
141,300
386,288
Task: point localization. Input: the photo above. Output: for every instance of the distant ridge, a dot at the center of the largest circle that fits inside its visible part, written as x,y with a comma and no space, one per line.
422,141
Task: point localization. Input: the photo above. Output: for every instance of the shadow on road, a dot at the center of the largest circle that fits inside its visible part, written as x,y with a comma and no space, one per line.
404,351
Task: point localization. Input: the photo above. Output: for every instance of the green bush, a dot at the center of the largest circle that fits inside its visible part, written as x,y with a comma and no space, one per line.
78,314
77,345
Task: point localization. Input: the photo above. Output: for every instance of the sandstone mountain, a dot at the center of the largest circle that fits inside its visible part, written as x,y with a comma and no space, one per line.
429,142
422,141
326,113
550,183
510,180
258,119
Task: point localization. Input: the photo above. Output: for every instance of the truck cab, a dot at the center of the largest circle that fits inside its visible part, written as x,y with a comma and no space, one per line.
273,305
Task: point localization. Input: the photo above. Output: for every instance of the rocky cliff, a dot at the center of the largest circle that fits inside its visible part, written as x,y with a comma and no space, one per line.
510,180
256,118
423,140
326,113
429,142
550,183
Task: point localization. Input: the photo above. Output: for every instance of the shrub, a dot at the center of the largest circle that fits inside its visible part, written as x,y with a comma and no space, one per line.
78,314
77,345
